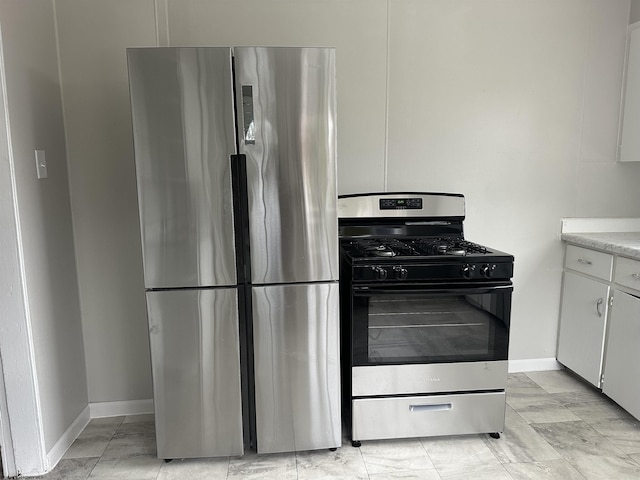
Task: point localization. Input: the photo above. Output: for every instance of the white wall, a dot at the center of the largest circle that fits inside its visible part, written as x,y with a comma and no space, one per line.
515,104
43,208
93,35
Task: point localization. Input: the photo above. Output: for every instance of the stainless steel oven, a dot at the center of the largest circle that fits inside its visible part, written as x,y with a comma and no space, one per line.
425,319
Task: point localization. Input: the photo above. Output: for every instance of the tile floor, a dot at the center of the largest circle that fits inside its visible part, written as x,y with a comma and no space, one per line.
557,427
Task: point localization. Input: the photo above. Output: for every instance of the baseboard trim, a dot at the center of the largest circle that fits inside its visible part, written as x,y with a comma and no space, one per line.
534,365
64,442
126,407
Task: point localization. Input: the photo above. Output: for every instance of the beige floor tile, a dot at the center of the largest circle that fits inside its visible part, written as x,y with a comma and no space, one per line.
390,456
280,466
344,463
412,475
462,471
520,442
194,469
71,469
548,470
588,451
559,381
138,467
447,453
624,433
557,428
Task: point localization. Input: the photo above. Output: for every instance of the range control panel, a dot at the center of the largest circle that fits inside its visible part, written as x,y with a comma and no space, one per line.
433,271
400,203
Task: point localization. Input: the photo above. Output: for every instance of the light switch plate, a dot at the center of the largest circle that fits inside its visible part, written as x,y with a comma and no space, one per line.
41,164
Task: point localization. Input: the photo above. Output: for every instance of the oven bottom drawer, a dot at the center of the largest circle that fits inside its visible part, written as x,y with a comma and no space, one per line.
426,378
424,416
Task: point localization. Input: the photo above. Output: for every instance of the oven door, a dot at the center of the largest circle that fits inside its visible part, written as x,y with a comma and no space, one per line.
427,323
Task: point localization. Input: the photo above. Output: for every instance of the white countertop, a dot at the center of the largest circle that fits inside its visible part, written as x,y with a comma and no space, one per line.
622,243
615,235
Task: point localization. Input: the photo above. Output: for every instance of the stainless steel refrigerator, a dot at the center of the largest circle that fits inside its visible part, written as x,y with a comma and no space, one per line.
235,152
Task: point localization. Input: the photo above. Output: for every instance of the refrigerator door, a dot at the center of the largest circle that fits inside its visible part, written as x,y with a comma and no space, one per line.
297,367
196,372
183,127
287,130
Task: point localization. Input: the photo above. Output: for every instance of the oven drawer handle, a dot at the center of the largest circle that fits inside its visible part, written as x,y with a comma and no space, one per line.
436,407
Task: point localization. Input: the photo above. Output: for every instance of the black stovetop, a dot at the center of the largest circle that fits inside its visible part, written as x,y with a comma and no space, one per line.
412,247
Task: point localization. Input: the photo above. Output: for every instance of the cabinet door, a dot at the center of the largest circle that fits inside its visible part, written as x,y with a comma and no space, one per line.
582,325
621,374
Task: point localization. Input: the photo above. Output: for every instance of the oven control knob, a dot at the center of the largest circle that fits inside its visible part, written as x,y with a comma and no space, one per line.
487,270
467,270
401,272
379,273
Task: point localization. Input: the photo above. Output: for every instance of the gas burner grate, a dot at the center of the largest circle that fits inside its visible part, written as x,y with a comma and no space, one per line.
421,247
448,246
388,247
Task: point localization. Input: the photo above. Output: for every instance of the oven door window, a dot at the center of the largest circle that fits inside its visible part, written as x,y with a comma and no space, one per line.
390,327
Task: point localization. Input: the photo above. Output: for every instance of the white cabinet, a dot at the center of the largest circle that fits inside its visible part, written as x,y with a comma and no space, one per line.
599,331
590,262
628,273
582,325
629,145
621,372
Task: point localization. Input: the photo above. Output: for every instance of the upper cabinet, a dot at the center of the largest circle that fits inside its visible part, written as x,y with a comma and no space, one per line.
629,146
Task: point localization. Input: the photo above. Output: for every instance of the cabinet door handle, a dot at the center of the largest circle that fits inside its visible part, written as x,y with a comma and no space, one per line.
584,262
636,276
598,305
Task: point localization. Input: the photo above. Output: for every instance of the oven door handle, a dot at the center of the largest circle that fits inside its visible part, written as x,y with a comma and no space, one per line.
434,407
413,290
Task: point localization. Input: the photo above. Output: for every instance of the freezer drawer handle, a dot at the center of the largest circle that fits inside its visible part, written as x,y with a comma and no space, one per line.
437,407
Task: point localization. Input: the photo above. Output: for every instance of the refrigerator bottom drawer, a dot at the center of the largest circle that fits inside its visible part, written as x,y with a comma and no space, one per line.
423,416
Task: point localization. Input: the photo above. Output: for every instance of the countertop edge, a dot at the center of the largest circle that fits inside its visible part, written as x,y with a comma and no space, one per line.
621,243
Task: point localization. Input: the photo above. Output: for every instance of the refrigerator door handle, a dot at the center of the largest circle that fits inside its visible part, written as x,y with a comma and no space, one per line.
241,214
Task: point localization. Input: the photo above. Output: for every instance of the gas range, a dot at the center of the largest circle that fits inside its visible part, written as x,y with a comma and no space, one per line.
414,237
425,258
425,319
414,247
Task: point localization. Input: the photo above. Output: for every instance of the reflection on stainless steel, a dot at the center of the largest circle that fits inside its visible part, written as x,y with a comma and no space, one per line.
429,378
183,129
436,205
297,371
291,174
401,417
196,372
